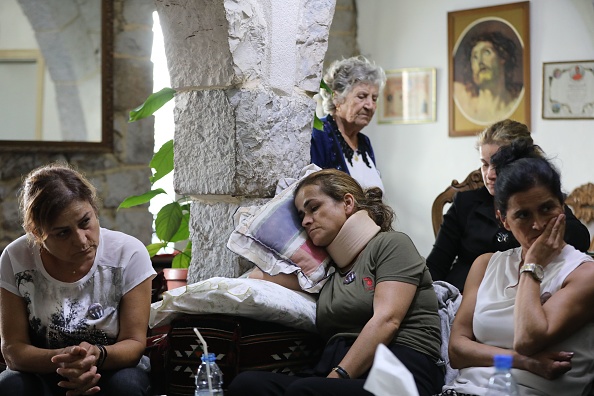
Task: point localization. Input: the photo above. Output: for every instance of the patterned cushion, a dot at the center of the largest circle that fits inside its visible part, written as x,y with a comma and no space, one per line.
239,344
271,236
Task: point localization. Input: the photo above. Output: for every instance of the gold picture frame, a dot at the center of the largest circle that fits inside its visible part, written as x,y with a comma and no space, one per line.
489,67
408,96
568,90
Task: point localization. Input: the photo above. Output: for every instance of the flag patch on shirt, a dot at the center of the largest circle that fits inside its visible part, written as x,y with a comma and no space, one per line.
368,283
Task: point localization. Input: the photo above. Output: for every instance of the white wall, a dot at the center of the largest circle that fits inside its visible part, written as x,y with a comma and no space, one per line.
418,161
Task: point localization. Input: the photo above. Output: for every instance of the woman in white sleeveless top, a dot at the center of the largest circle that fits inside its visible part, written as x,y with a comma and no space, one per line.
533,302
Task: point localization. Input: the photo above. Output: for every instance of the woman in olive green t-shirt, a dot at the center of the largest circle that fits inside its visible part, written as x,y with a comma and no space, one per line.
381,293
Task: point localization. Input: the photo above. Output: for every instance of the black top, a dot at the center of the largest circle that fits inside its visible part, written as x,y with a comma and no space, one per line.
470,229
329,149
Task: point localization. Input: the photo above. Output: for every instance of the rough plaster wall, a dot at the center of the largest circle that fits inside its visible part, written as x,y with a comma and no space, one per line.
237,134
118,174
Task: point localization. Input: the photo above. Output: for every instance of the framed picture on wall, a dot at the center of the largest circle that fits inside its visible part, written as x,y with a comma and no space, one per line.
568,90
489,67
408,97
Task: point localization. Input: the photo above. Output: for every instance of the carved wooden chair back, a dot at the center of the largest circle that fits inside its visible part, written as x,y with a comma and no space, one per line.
473,181
581,201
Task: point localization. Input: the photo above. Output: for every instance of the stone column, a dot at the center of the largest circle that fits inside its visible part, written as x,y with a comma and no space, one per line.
245,71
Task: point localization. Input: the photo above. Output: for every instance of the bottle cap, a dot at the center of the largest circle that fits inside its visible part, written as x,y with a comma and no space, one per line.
208,358
503,361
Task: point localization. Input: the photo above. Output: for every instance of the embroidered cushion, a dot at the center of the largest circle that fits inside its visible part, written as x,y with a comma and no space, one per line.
271,236
239,344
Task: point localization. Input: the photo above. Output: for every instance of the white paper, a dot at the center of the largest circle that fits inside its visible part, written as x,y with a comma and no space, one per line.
388,376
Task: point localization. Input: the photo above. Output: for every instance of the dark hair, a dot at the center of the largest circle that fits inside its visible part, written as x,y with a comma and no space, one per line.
520,167
336,184
505,49
47,191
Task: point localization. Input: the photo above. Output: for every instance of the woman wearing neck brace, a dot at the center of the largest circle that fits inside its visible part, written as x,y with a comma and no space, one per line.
381,292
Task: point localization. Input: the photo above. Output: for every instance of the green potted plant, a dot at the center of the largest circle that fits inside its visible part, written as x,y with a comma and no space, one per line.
172,221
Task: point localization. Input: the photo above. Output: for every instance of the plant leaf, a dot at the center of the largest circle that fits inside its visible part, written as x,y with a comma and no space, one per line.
168,221
154,248
188,249
183,259
325,86
153,103
162,161
183,232
318,124
135,200
180,261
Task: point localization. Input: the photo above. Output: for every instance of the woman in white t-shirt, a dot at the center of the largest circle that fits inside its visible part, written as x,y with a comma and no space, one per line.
74,297
533,302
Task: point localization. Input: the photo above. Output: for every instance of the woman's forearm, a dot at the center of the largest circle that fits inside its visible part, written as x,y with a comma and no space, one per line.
468,353
360,356
464,352
391,303
530,321
125,353
26,357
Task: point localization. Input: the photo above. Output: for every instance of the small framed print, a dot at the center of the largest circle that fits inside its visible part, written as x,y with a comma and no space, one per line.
568,90
408,97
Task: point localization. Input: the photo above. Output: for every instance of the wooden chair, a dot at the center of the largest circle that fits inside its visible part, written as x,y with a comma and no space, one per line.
581,201
473,181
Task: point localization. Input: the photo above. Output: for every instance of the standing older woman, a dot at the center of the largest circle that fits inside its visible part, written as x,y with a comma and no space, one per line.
381,293
533,302
470,227
74,297
355,84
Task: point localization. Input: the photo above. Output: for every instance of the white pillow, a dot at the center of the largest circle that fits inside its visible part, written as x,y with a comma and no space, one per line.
252,298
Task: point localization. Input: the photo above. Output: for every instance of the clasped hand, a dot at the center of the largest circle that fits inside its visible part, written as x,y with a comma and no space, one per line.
549,244
549,364
78,365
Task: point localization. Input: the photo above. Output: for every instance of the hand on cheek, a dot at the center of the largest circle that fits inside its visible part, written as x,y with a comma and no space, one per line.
549,244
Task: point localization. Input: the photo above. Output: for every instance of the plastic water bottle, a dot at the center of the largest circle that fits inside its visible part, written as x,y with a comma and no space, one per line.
502,383
207,368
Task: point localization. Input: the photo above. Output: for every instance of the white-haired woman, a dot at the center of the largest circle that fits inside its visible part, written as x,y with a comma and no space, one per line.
355,83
